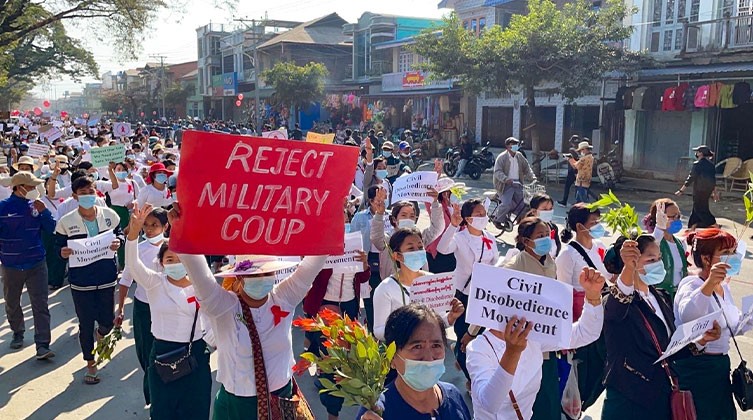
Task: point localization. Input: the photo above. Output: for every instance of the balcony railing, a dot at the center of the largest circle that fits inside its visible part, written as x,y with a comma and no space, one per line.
729,33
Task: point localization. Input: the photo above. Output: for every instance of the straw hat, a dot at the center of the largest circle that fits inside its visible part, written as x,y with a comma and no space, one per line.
584,145
26,160
248,265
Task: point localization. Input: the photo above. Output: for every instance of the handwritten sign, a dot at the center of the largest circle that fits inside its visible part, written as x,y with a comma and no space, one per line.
253,195
75,142
414,187
37,150
121,129
346,262
89,250
435,291
690,332
102,156
276,134
496,294
312,137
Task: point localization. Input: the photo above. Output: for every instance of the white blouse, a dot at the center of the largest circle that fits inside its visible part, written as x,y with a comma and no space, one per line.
468,249
123,196
570,263
235,364
148,255
340,287
155,197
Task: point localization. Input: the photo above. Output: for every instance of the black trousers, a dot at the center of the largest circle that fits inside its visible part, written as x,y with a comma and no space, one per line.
569,181
460,327
94,306
374,280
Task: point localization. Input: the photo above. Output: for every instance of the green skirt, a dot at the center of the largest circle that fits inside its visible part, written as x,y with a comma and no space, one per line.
143,338
548,404
232,407
618,407
125,218
708,378
55,264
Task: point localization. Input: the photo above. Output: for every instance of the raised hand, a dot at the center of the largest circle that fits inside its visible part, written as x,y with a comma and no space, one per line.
592,281
456,218
662,221
174,214
137,220
456,309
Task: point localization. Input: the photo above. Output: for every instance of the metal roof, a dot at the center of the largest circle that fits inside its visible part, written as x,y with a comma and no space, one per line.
696,69
326,30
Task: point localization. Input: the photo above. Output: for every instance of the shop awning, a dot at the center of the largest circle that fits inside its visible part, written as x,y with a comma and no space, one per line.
696,70
409,93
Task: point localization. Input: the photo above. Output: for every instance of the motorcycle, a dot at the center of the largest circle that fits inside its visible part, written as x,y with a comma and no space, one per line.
609,168
480,161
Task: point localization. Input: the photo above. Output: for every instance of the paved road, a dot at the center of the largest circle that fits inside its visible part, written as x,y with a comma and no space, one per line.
54,390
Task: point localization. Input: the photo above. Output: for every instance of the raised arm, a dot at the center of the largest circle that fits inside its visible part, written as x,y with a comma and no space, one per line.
447,244
293,289
436,222
147,278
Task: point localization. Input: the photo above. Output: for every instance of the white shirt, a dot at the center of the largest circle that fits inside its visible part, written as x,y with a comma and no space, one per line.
514,168
490,383
570,263
468,249
139,180
148,256
691,304
340,287
71,204
124,195
155,197
677,255
67,192
235,364
171,309
358,178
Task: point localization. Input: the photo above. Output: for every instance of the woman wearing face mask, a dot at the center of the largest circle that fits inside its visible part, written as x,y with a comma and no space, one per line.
154,229
707,375
250,312
542,206
636,311
468,239
664,222
123,193
156,193
175,325
408,254
438,262
703,178
375,173
417,393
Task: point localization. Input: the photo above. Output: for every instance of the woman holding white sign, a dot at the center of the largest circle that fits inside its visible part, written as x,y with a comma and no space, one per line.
707,375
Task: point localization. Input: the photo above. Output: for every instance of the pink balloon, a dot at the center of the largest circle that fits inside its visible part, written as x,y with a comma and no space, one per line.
237,103
142,113
240,96
85,116
63,114
46,103
37,111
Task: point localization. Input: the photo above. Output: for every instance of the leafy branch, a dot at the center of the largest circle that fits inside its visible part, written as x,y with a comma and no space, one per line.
618,216
748,201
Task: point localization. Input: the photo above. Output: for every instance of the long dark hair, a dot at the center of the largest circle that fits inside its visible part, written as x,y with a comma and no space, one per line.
525,230
578,213
613,259
403,322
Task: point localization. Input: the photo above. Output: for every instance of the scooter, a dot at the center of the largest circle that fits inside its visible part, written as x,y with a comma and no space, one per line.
609,168
480,161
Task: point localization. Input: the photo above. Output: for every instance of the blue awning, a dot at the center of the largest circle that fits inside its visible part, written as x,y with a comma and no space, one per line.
492,3
696,70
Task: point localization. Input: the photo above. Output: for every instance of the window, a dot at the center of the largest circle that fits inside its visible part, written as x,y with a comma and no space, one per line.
502,17
474,26
667,18
481,24
465,24
405,61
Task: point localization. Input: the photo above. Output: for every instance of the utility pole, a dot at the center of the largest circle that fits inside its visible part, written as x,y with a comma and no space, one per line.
162,81
257,39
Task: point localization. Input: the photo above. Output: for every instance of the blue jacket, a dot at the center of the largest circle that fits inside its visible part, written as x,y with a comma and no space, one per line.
20,232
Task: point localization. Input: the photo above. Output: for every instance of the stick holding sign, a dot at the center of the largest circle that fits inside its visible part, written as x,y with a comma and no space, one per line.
414,187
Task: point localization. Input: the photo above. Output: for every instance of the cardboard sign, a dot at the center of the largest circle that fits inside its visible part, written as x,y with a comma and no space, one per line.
690,332
102,156
414,187
276,134
312,137
346,262
496,294
436,292
89,250
37,150
253,195
747,310
121,129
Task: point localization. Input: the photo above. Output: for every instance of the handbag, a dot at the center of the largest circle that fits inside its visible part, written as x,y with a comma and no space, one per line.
278,408
742,377
681,401
178,363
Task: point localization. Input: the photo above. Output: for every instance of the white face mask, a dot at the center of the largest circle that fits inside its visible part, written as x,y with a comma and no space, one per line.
32,194
406,224
157,239
479,223
546,215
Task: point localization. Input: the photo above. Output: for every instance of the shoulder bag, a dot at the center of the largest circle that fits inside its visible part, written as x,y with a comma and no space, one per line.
742,377
178,363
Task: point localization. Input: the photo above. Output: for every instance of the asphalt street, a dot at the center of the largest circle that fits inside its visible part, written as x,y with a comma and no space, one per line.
55,390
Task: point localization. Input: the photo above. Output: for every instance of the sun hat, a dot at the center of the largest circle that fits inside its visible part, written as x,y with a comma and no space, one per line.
446,184
25,178
25,160
584,145
159,167
248,265
388,146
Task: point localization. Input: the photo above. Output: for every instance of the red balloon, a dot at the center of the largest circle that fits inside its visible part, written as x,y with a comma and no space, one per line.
63,114
37,111
86,116
240,96
142,113
46,103
237,103
120,111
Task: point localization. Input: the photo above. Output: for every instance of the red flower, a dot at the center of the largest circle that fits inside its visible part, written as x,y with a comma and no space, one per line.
327,344
301,367
306,324
329,316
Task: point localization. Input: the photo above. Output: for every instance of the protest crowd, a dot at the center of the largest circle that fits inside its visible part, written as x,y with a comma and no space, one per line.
541,332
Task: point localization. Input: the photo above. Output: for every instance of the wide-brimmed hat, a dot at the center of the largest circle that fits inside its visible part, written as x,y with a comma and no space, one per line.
159,167
62,161
25,178
249,265
704,149
446,184
584,145
25,160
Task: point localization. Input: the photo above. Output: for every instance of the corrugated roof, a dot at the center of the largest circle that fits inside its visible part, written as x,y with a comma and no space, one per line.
326,30
697,69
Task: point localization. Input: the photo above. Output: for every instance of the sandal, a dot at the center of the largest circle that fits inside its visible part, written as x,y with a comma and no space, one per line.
91,378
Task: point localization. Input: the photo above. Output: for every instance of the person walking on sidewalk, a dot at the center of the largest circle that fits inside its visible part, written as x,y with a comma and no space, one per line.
703,178
22,219
571,171
583,166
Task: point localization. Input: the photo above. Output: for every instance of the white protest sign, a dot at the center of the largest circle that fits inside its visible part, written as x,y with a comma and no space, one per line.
414,187
34,129
346,263
89,250
690,332
276,134
102,156
435,291
496,294
57,124
121,129
94,131
75,142
52,134
37,150
747,310
79,121
283,274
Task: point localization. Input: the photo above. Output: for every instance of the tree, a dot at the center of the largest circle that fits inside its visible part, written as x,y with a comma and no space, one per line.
178,95
571,48
296,86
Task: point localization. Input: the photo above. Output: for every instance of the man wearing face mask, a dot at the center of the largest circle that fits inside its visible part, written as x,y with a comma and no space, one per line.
510,168
395,166
23,218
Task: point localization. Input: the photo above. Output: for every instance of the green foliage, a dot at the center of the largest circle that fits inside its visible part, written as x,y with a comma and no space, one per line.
619,217
297,85
105,346
748,200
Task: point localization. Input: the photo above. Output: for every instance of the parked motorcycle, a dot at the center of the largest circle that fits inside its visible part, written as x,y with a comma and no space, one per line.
609,168
480,161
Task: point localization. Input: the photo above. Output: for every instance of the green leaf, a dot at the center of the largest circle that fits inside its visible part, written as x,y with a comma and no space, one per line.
309,357
327,383
391,349
614,197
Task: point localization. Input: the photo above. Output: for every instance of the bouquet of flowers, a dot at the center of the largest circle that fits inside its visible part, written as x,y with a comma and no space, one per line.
618,216
106,345
357,360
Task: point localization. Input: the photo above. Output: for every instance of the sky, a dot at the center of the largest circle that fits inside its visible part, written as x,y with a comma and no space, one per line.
174,34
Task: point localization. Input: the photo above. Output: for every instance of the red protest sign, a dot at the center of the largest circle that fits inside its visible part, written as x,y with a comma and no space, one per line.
251,195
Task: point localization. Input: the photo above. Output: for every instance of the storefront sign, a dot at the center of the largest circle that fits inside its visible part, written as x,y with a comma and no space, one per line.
413,79
229,83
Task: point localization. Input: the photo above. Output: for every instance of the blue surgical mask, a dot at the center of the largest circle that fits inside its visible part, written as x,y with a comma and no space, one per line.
421,375
542,246
347,228
121,175
95,175
735,261
386,153
674,227
87,201
175,271
381,173
414,260
655,273
597,231
258,287
515,147
161,178
406,224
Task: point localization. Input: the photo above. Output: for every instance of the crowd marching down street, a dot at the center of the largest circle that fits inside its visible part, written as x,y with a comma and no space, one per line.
225,234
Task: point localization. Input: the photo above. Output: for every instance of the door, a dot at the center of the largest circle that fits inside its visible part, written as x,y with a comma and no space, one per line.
665,141
496,125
